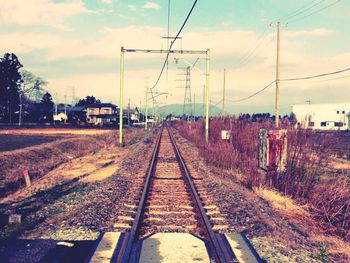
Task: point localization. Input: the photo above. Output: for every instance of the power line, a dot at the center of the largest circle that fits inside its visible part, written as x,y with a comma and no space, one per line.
299,9
315,12
344,77
172,43
254,94
293,79
303,9
251,52
325,80
317,76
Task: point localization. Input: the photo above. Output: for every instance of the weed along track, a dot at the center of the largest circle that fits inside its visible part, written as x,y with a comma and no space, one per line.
170,200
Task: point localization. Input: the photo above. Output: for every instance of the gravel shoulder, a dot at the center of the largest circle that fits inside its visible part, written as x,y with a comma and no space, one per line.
77,200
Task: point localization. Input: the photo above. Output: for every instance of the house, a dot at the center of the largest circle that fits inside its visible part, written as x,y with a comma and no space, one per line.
101,113
323,116
60,117
134,115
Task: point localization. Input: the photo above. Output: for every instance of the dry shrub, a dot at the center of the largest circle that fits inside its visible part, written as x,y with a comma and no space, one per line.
239,153
307,161
331,199
306,178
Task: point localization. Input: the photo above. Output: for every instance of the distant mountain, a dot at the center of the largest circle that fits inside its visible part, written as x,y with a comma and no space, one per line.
177,109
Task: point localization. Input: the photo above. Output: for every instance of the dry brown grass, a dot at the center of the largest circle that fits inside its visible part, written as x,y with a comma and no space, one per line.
41,159
285,205
339,164
307,177
55,131
337,249
88,169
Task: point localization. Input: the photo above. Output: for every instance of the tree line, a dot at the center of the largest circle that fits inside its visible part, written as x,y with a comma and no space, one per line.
22,94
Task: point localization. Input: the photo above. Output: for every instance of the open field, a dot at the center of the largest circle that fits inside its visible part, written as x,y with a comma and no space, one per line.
39,151
55,131
9,142
12,139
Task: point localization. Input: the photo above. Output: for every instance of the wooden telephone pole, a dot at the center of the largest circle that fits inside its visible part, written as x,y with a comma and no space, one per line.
277,76
223,95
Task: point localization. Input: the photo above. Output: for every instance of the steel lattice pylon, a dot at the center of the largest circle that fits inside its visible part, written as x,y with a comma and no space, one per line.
187,107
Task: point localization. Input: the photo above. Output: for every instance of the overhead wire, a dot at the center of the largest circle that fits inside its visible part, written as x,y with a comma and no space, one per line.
172,43
315,12
251,53
292,79
251,96
295,15
344,77
299,9
303,9
317,76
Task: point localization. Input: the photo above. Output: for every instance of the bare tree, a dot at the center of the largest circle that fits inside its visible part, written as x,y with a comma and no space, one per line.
32,89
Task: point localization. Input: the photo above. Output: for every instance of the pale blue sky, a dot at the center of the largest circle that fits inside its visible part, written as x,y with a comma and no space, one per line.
77,43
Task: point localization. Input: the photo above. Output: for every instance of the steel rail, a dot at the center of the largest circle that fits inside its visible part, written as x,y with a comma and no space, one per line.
220,252
130,239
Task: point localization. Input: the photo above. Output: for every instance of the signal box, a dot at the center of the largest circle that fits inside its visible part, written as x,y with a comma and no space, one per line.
273,149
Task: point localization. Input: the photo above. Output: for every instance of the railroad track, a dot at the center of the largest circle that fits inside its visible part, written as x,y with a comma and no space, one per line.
169,199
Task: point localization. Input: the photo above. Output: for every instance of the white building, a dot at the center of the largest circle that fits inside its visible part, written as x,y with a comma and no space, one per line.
323,116
60,117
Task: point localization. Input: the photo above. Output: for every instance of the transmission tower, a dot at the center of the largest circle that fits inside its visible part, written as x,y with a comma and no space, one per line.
187,107
70,94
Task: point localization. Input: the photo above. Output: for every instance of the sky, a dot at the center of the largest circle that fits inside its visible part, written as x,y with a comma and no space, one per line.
75,44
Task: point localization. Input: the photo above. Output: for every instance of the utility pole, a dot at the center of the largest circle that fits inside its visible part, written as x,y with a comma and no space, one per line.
203,101
277,76
168,46
194,106
207,99
129,113
146,102
121,96
223,95
65,108
56,102
20,110
154,113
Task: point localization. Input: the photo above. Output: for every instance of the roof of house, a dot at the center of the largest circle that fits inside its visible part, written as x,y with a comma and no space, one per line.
105,115
101,105
76,108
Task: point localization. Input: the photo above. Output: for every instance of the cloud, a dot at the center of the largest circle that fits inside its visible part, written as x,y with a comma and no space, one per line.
227,23
41,12
151,5
227,46
57,48
262,12
132,8
319,32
